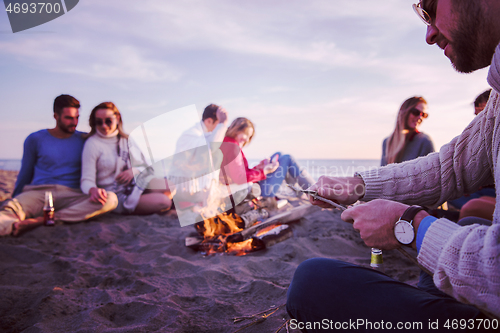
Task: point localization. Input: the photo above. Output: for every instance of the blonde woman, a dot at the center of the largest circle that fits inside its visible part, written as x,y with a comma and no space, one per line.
106,166
406,142
269,173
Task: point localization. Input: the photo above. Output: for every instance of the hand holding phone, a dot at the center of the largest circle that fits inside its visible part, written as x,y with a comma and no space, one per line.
271,167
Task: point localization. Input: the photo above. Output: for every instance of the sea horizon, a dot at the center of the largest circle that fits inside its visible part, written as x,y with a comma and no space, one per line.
316,167
332,167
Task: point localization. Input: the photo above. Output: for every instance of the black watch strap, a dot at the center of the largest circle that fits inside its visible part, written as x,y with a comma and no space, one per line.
410,213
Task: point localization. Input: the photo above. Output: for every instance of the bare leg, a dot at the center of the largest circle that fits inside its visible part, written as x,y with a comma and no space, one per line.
159,185
151,203
21,227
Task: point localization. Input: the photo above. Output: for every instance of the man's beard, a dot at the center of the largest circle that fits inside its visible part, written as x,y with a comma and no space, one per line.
67,129
473,49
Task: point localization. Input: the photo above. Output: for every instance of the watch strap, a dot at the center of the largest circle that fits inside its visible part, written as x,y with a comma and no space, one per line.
410,213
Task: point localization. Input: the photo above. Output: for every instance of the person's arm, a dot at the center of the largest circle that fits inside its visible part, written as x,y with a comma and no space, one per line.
89,167
25,175
464,260
88,184
461,166
375,222
255,175
343,190
215,138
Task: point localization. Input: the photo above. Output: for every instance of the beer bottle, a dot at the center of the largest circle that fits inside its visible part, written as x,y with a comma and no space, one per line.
377,261
48,209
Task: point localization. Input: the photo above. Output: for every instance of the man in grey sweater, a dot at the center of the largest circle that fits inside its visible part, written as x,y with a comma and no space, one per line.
463,287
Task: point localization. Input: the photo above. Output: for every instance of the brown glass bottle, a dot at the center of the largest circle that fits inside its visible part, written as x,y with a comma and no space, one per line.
48,209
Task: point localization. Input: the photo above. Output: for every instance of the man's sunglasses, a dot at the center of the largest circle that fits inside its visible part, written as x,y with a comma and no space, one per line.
416,112
422,13
107,121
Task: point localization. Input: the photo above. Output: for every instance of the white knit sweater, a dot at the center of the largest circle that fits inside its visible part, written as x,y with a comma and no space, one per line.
99,158
465,260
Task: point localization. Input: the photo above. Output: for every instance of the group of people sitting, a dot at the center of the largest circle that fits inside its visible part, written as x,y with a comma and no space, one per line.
90,174
459,286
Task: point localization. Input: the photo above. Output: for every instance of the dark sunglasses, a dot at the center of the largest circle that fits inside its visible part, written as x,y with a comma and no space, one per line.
416,112
107,121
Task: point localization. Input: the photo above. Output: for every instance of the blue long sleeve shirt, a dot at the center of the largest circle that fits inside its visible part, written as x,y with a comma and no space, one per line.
50,160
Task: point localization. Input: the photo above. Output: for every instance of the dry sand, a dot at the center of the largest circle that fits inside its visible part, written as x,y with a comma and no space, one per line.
134,274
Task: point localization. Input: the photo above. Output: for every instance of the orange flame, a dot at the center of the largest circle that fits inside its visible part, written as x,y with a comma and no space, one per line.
222,224
240,248
215,231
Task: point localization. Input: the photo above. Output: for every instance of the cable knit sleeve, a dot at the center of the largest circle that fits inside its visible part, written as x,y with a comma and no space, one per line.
90,155
465,260
461,166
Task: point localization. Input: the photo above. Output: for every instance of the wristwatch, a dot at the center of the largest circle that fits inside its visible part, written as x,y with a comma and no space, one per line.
403,229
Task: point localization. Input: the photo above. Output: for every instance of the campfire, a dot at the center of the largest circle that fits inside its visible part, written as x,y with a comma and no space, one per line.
239,235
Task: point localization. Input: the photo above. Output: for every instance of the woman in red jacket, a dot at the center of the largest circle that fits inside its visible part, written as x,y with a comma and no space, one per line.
269,173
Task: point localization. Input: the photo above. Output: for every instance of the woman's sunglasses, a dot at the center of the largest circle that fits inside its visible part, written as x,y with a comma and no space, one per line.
107,121
416,112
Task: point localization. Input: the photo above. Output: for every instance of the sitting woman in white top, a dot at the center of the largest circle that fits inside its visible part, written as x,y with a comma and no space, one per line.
106,166
406,142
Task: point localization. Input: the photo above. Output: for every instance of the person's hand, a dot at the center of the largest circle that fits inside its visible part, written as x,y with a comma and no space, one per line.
375,222
344,190
262,163
222,115
271,167
98,195
125,177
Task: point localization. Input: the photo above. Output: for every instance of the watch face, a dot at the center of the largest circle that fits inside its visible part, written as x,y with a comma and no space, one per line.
404,232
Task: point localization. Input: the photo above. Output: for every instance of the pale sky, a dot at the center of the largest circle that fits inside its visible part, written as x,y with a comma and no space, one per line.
320,79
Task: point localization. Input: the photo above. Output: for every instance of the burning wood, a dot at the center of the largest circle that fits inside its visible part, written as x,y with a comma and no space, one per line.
227,233
214,234
285,217
222,224
272,235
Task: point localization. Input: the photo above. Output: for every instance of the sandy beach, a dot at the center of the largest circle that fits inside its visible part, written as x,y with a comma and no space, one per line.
134,274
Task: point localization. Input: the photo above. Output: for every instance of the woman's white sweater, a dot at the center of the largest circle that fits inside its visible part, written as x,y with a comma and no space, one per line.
99,158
